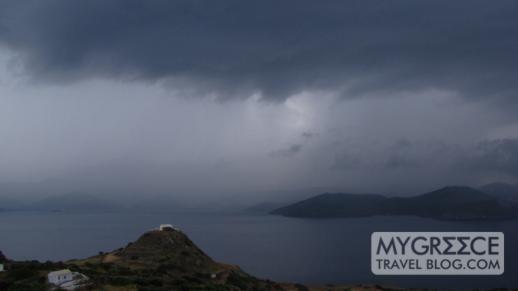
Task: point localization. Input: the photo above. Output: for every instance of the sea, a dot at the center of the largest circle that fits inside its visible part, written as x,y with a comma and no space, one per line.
308,251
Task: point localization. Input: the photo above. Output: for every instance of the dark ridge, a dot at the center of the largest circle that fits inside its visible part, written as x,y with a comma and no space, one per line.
448,203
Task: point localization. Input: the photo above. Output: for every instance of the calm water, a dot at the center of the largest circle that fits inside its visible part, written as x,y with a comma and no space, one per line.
282,249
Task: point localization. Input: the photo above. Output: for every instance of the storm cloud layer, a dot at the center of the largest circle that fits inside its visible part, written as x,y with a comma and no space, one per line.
274,48
183,97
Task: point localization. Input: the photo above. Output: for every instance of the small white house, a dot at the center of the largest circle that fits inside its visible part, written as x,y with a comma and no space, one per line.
60,277
1,267
164,227
67,279
79,281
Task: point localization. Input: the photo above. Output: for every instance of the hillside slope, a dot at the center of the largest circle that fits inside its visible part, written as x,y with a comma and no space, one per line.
157,261
166,260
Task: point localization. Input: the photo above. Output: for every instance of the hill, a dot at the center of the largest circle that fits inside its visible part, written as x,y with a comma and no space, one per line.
449,203
334,205
164,260
158,260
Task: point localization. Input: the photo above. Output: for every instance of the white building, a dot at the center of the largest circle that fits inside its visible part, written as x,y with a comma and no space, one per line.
79,281
1,267
168,227
67,279
60,277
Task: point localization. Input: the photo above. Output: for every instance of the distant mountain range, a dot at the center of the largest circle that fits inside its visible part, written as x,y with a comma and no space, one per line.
7,203
64,202
73,202
79,201
450,203
494,200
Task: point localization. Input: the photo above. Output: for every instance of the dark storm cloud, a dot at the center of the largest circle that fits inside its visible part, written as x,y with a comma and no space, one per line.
287,152
398,156
496,156
235,48
486,158
308,135
347,162
399,161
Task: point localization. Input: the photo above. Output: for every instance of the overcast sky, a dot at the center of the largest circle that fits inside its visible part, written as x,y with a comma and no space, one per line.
242,96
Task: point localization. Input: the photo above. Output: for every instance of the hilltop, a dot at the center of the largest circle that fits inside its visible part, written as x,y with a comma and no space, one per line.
158,260
448,203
